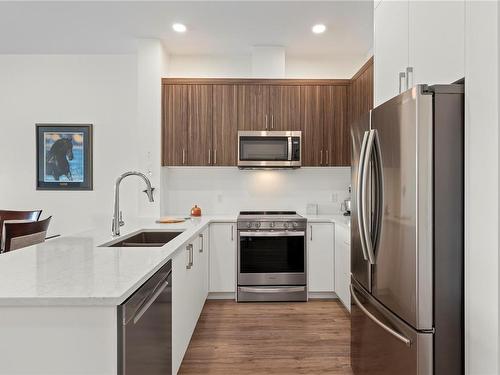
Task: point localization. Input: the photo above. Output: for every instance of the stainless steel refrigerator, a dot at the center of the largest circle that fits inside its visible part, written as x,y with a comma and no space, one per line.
407,235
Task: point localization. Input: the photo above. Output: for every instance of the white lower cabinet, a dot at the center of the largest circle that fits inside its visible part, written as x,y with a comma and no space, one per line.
189,292
222,257
204,254
343,264
320,250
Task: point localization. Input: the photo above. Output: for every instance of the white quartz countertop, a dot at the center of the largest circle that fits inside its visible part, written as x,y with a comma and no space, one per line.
345,221
75,271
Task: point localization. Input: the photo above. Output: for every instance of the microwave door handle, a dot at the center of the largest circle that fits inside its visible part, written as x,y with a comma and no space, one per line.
359,195
289,148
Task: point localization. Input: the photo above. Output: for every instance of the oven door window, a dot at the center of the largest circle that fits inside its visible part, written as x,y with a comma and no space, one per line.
283,254
264,148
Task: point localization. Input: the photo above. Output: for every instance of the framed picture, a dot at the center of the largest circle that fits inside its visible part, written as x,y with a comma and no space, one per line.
64,157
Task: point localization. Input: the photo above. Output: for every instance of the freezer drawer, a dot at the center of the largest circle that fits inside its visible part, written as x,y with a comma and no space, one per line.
383,344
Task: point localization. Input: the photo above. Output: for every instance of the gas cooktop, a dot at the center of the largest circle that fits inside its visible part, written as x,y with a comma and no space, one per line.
270,220
265,213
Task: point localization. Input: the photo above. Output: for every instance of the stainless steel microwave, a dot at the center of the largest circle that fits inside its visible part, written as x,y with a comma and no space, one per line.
269,149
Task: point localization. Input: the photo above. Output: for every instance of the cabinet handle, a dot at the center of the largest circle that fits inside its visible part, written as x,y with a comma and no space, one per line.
266,122
209,156
326,157
215,156
232,232
189,249
311,229
402,76
183,156
321,157
272,121
201,247
409,83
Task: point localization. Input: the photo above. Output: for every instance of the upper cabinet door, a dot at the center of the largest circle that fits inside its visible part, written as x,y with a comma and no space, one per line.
437,34
253,107
175,124
225,126
311,108
199,125
390,48
285,108
336,145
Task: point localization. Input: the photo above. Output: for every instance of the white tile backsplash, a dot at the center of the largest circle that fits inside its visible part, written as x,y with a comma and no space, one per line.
227,190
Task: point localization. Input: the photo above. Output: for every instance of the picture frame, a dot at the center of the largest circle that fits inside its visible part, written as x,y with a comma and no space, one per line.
64,157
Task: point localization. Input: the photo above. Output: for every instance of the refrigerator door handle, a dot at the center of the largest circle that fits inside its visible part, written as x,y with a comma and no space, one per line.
379,194
359,194
364,191
388,329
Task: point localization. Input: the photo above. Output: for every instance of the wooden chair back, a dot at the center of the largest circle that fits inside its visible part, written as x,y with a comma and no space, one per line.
18,215
18,235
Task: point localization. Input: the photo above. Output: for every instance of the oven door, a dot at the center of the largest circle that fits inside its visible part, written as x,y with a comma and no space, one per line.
271,258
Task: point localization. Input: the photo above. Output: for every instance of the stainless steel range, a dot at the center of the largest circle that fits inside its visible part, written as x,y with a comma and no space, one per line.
271,256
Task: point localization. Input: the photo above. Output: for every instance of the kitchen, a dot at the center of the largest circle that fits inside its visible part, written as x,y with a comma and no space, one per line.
168,104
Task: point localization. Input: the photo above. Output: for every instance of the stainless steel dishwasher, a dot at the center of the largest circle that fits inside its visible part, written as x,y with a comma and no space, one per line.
145,327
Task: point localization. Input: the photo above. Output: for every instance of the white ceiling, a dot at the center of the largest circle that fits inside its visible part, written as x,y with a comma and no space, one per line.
214,28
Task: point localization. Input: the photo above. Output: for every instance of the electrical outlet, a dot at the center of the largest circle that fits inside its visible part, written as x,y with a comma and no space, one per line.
335,198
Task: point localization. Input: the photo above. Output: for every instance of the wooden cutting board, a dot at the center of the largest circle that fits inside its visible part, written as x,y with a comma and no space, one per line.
170,220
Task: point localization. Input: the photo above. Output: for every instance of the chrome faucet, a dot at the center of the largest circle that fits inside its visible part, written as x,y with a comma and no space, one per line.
117,214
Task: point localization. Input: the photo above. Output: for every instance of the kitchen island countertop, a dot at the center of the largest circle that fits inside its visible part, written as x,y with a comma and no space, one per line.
74,270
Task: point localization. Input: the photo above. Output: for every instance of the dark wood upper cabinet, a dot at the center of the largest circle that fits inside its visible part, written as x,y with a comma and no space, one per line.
175,124
325,132
199,125
201,117
284,108
253,107
225,125
361,92
336,135
311,108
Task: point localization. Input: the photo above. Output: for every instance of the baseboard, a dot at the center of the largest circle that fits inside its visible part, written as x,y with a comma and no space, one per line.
222,295
322,295
232,295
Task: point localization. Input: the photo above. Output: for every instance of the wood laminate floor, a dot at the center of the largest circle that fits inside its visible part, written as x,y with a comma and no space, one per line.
270,338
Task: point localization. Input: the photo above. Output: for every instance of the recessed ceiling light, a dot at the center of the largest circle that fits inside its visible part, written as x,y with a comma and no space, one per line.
319,28
179,27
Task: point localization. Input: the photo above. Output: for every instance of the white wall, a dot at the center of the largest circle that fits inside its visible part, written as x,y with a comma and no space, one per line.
240,66
316,68
268,62
227,190
210,66
100,90
482,187
152,63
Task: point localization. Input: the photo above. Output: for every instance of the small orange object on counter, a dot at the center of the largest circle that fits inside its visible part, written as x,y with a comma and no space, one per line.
196,211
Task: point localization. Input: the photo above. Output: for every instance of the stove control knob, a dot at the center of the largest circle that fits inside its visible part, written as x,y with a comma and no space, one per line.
257,225
271,224
295,224
249,225
285,225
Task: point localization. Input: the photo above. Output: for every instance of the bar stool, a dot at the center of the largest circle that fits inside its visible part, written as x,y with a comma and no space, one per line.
21,234
18,215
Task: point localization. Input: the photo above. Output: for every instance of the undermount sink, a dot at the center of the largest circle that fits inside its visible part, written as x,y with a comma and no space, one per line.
144,239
